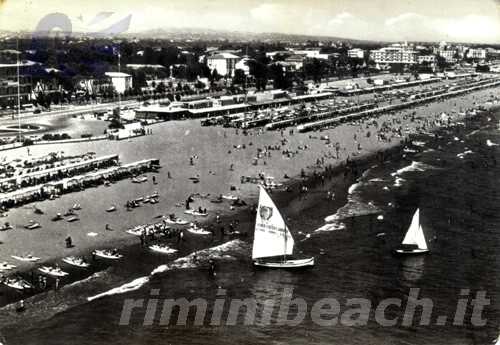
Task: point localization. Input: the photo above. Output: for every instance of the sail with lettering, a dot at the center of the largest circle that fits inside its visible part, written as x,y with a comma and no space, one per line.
272,237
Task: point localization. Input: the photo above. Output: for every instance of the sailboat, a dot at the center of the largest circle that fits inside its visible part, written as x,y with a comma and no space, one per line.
272,238
414,241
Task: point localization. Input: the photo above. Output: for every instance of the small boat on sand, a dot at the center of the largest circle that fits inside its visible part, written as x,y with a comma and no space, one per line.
53,271
77,207
196,213
17,283
139,179
6,227
176,221
111,209
198,231
5,266
137,231
230,197
72,219
26,258
76,261
108,254
32,225
163,249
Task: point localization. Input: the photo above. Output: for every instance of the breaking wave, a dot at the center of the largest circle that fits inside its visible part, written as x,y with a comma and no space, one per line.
193,260
414,166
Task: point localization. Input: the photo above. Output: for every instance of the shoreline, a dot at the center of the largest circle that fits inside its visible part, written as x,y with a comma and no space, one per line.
227,216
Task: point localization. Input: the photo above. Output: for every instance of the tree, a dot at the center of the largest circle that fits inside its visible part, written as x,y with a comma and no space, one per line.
115,121
239,77
281,78
259,71
441,62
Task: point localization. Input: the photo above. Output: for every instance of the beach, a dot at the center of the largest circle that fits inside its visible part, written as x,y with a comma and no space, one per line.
216,150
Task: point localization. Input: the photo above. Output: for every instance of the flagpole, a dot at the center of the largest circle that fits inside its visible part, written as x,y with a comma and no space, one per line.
119,96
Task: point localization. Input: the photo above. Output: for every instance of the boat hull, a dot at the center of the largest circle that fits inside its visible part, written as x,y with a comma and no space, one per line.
402,252
287,264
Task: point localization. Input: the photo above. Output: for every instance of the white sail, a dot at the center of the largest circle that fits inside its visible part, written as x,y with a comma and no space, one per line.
415,233
272,237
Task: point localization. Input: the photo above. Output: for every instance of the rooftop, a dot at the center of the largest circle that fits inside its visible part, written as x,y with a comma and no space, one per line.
117,74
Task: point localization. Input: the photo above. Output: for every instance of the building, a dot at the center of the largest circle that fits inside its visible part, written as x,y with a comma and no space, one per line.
9,85
136,66
310,53
272,54
394,55
356,53
121,81
224,63
243,65
294,62
476,54
431,59
448,55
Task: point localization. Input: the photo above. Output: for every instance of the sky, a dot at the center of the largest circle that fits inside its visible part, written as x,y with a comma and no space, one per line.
412,20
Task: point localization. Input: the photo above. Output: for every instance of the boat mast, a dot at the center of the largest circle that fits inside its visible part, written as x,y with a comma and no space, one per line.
18,90
284,252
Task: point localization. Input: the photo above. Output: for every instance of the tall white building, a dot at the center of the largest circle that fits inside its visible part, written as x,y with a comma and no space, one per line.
121,81
224,63
388,55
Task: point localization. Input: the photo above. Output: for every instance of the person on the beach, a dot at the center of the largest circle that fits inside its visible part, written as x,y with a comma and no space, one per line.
212,268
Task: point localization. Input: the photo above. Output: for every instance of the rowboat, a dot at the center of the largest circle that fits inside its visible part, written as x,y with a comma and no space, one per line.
139,179
6,227
164,249
198,231
72,219
53,271
17,283
196,213
27,258
108,254
32,225
5,266
176,221
76,261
